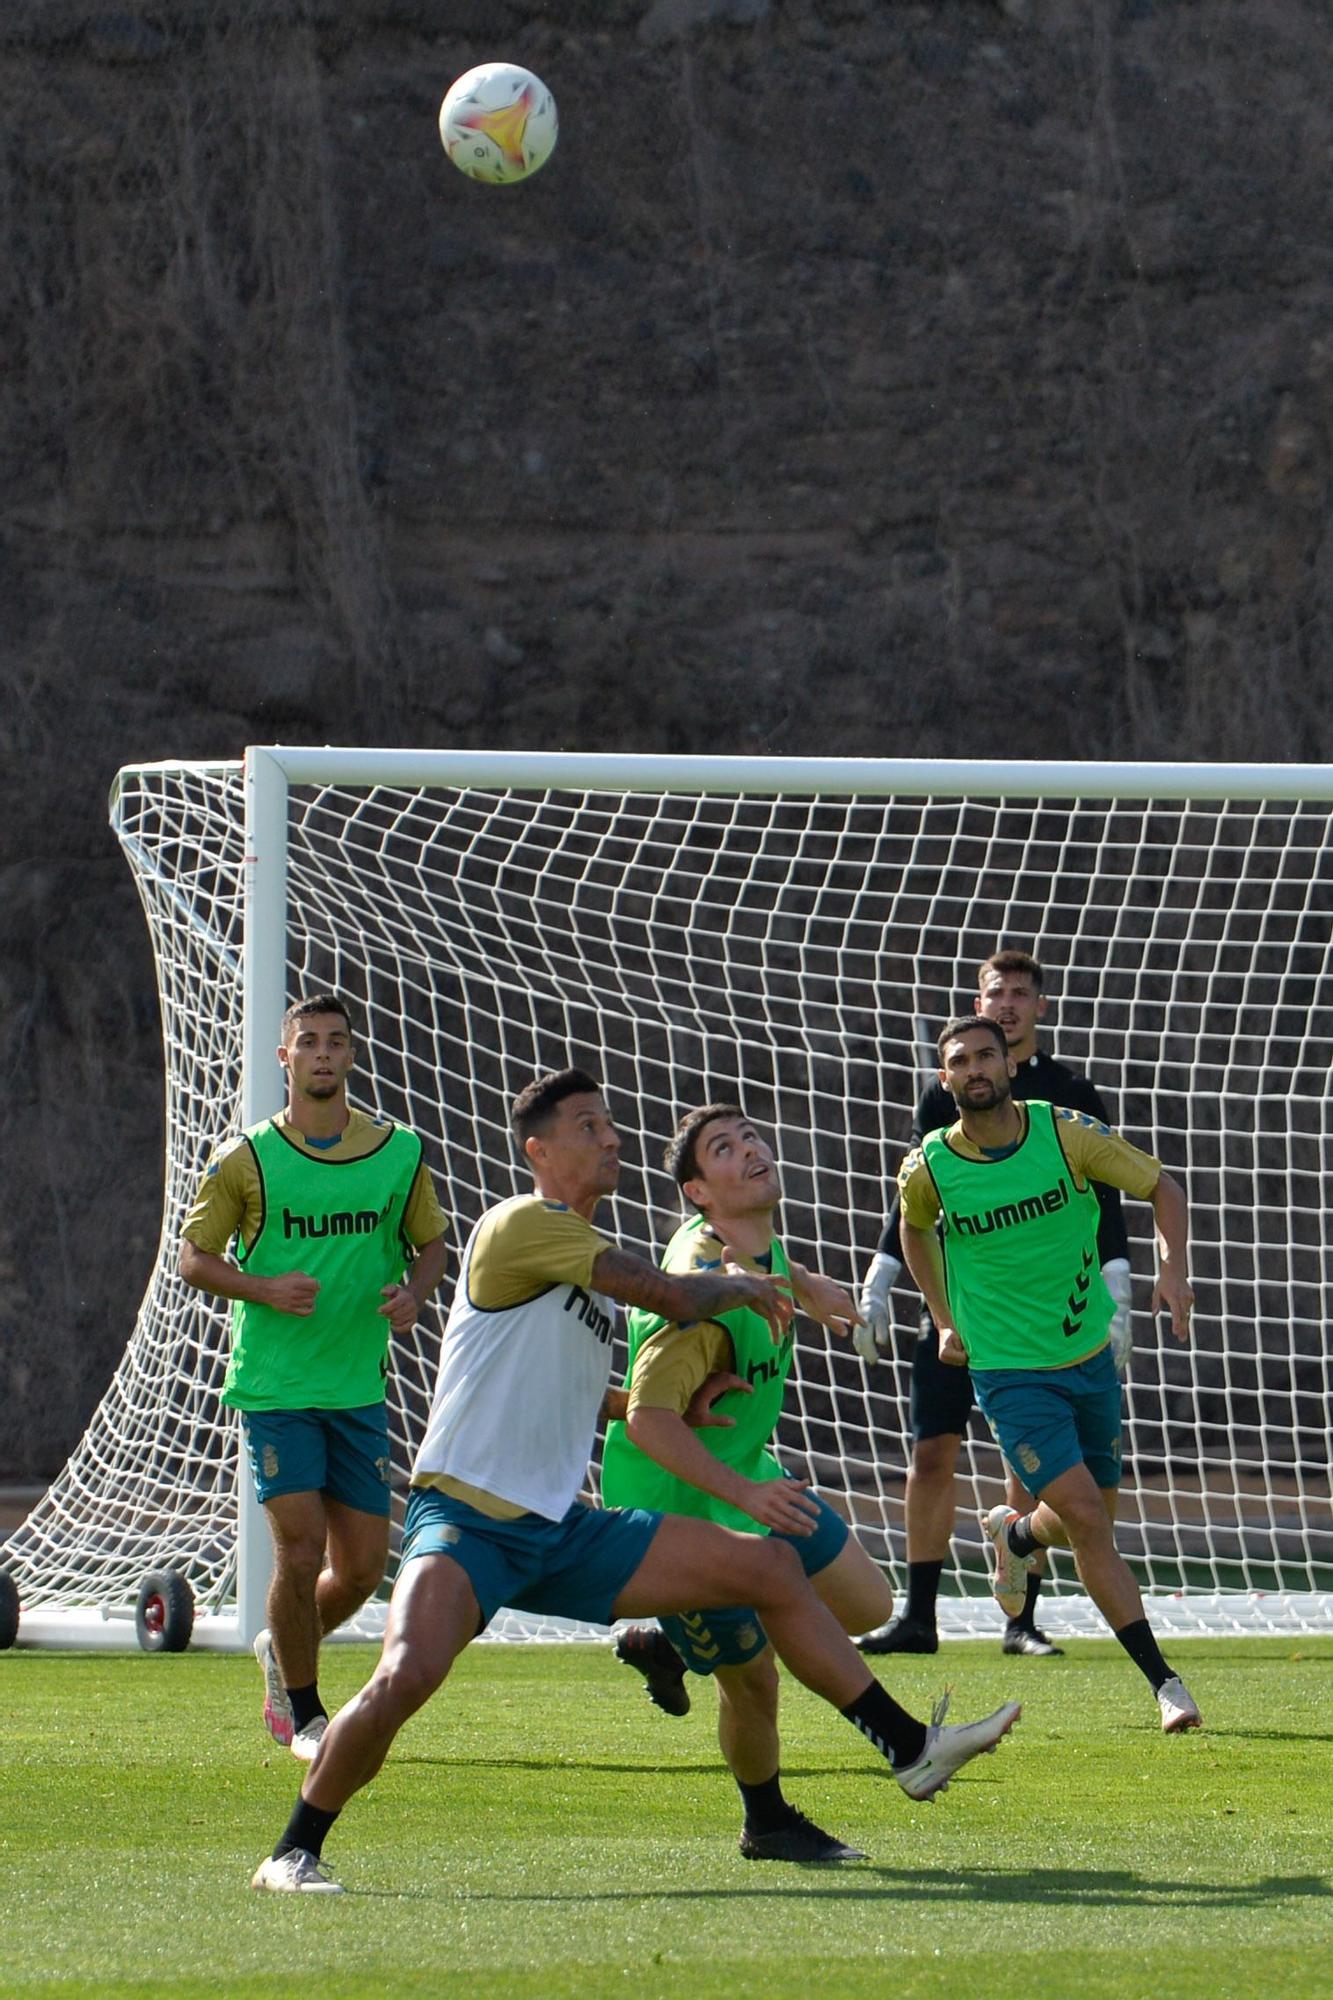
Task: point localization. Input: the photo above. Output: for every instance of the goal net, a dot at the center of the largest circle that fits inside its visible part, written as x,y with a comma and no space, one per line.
791,933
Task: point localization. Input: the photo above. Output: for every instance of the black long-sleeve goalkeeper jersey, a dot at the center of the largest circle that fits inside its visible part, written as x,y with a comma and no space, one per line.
1041,1076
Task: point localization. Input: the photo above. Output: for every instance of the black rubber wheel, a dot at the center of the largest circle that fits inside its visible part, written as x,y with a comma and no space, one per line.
9,1610
164,1612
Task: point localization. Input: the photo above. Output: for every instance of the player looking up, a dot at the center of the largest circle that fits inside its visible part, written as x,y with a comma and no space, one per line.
1010,993
339,1242
725,1167
1011,1280
495,1516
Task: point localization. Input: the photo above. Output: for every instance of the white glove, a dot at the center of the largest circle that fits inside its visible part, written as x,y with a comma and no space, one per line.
1120,1284
869,1340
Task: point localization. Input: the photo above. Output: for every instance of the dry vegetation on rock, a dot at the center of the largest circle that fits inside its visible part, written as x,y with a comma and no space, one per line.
862,377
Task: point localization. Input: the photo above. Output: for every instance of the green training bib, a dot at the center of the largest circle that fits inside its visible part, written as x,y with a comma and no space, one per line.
1020,1251
631,1479
341,1221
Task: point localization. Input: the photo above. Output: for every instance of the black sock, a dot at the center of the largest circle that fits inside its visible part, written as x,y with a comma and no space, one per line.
1026,1620
1021,1538
308,1828
894,1733
923,1587
1138,1641
765,1808
306,1704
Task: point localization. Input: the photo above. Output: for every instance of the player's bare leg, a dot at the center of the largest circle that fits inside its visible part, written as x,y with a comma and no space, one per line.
1073,1512
356,1550
298,1523
356,1554
433,1616
328,1558
854,1588
288,1648
692,1562
747,1718
930,1503
747,1729
1022,1635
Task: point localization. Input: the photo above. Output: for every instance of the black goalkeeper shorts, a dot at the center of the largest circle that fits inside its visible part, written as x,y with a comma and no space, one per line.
942,1397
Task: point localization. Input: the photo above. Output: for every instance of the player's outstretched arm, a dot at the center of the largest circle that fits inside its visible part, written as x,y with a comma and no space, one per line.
700,1295
823,1301
925,1260
1172,1291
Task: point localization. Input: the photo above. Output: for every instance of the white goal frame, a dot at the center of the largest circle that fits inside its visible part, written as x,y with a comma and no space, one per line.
271,773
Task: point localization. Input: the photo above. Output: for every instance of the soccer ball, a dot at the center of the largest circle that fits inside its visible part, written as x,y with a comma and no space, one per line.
498,123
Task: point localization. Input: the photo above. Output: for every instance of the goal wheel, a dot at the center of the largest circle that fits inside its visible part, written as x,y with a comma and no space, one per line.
164,1612
9,1610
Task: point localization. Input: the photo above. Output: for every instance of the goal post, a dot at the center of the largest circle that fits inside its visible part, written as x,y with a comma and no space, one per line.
791,931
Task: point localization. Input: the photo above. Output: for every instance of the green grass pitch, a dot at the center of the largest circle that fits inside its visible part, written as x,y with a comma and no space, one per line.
541,1832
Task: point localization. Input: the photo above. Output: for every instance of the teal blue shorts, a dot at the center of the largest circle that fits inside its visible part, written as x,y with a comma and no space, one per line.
572,1568
1046,1420
707,1640
343,1454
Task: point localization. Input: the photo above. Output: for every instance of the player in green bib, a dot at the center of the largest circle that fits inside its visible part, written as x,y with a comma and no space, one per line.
337,1241
729,1474
1000,1232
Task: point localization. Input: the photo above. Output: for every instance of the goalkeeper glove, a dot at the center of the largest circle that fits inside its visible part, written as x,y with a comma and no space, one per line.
1120,1284
869,1340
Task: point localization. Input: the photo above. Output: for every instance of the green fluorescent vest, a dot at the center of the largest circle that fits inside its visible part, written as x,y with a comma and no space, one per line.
1020,1252
341,1222
631,1479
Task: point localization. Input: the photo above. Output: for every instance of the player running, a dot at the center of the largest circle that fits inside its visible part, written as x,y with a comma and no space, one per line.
1011,1280
339,1241
1010,992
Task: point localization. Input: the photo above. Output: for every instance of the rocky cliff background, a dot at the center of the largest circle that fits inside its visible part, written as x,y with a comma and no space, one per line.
860,378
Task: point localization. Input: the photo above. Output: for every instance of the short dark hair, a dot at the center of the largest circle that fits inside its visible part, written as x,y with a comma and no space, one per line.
680,1156
531,1110
317,1003
963,1024
1011,961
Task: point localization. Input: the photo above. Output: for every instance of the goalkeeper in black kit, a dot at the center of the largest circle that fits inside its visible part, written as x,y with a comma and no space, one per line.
1010,994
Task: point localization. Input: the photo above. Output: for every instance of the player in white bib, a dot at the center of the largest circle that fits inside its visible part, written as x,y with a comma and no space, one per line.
495,1516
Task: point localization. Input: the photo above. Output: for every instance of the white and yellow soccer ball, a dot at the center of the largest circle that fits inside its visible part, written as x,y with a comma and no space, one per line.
498,122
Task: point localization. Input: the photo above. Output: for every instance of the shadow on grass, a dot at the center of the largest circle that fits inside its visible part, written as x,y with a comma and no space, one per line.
1148,1725
606,1766
664,1773
1051,1888
1301,1649
1208,1734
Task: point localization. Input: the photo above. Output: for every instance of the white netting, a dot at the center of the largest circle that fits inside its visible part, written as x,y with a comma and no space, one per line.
800,953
